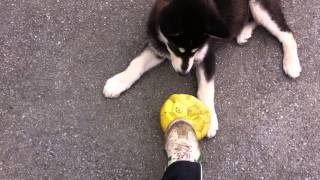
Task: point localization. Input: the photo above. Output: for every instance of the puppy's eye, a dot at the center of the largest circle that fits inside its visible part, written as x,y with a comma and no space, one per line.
182,50
194,50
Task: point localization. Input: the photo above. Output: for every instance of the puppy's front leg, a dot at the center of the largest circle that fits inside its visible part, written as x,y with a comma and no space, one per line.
205,92
123,81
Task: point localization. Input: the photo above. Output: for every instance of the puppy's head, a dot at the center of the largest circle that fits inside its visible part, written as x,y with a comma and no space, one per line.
185,26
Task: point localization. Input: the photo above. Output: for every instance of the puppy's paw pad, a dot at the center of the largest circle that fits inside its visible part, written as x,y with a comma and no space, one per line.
214,126
114,87
292,69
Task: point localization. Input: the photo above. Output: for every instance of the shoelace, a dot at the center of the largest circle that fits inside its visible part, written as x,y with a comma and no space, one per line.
181,151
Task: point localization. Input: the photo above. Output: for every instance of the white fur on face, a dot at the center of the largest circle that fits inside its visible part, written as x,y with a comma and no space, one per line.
291,63
199,56
194,50
175,60
190,65
163,38
182,50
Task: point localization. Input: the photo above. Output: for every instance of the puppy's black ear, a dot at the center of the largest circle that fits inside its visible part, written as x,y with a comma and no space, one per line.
217,29
170,22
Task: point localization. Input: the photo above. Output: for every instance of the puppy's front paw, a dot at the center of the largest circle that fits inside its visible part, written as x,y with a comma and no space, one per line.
291,66
244,37
115,86
214,126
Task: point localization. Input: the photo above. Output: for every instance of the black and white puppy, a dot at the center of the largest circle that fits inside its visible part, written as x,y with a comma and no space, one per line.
183,31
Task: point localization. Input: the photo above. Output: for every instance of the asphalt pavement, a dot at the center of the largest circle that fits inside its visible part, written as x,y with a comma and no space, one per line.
56,55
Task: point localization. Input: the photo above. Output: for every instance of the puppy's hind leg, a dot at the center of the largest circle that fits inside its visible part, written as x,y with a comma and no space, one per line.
246,32
123,81
269,14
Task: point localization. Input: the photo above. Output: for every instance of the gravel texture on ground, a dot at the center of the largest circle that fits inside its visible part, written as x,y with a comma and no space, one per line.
56,55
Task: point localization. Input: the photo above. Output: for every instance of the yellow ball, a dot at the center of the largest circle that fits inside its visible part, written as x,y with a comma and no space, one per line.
189,108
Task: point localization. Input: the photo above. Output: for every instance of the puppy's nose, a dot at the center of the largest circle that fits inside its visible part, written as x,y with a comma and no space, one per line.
184,73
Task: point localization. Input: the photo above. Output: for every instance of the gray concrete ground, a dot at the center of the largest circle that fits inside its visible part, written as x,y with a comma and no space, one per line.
55,123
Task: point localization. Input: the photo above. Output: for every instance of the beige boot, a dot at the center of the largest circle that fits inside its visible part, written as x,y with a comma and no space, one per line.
181,143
